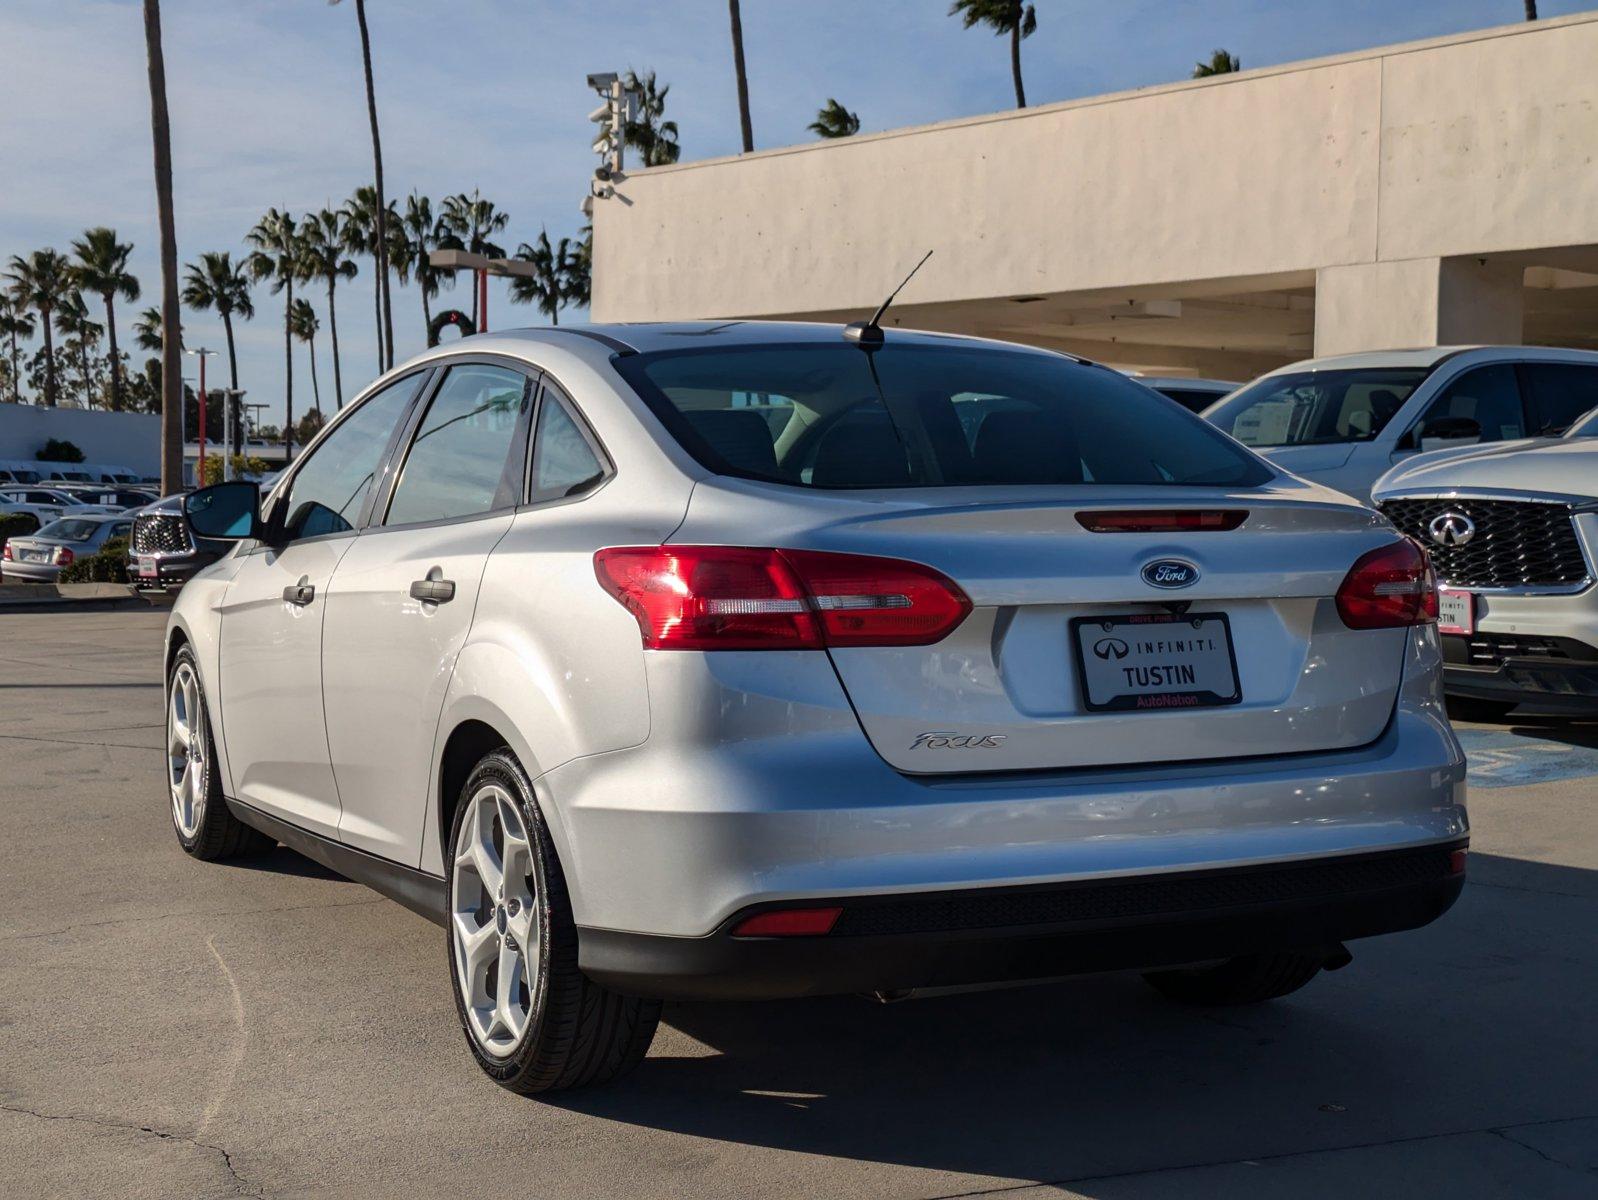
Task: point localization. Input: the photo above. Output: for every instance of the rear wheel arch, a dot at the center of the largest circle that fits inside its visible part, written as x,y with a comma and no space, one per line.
468,742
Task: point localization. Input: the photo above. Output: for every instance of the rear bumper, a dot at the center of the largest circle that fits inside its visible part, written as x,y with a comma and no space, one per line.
1569,682
899,942
18,572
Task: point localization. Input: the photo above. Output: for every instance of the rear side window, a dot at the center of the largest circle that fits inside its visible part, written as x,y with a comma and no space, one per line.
564,462
836,416
1560,393
1488,396
457,461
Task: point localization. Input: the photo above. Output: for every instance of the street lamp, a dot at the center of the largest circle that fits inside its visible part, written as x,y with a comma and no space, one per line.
202,354
482,266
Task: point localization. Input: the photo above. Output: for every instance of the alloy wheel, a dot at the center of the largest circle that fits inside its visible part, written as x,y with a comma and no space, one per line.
186,750
494,925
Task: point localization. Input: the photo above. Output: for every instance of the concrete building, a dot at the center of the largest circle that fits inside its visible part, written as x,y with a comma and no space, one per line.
125,439
1421,194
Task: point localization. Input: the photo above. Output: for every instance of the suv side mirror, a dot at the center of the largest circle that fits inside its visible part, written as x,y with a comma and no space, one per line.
230,511
1451,429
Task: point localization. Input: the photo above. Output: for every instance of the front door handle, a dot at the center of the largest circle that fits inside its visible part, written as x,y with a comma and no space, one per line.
433,591
301,593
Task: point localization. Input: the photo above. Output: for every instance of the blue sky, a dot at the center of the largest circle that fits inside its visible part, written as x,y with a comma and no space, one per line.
268,107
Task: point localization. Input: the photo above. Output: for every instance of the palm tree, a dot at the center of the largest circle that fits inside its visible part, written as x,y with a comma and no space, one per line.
171,318
1003,17
472,220
324,243
742,75
577,274
80,335
217,282
303,322
277,257
382,214
147,330
42,282
15,322
102,268
547,287
360,222
1221,62
835,121
654,137
1531,10
424,233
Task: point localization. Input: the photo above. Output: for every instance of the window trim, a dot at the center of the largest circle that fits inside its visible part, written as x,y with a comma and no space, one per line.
585,429
426,374
376,518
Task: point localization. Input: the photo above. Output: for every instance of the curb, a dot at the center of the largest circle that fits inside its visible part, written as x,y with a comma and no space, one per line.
92,597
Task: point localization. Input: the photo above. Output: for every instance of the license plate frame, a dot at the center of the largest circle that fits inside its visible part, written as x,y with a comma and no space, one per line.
148,567
1444,625
1173,700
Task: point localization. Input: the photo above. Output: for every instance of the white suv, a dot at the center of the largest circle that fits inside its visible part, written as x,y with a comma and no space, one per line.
1346,421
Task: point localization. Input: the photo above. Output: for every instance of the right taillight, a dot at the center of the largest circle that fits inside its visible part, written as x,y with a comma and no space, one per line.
1389,587
751,598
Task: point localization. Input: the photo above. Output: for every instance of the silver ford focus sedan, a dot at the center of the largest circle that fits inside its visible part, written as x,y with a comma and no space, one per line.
744,660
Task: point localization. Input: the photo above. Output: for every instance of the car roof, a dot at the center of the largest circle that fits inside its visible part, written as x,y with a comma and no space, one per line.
1430,356
1186,381
645,337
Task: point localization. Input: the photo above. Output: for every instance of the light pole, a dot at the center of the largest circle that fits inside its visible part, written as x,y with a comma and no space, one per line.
482,267
234,396
202,354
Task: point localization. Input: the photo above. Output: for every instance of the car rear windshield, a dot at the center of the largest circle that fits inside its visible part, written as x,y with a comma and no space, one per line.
69,529
1316,408
837,416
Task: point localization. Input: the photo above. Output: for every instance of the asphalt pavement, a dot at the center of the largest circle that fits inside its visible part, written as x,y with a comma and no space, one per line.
174,1028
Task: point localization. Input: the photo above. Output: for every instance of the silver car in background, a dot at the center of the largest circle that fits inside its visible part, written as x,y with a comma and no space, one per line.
1346,421
1513,535
41,556
748,660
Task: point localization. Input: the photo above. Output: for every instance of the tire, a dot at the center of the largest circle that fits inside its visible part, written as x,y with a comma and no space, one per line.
1469,708
1252,979
551,1028
206,827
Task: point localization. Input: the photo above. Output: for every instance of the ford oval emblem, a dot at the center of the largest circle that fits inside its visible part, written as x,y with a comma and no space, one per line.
1170,573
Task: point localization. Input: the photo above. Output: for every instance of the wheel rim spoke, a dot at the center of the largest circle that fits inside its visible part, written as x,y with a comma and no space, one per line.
186,750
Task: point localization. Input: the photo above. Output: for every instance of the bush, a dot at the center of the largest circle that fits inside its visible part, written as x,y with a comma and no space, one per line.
242,466
61,451
17,525
108,565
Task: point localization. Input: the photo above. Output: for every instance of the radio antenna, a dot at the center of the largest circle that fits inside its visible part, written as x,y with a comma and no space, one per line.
869,333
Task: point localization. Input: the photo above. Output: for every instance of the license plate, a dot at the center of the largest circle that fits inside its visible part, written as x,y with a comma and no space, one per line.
37,556
147,568
1456,611
1155,661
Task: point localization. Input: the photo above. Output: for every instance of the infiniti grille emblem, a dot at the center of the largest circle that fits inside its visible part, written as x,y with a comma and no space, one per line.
1451,529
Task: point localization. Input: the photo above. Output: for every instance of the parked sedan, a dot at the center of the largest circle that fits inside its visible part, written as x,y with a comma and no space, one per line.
1513,535
39,557
988,665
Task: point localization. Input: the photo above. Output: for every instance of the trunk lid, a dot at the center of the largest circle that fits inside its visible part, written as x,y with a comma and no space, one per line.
1005,691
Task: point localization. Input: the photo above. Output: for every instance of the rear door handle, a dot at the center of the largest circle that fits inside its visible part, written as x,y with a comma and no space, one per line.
433,591
300,593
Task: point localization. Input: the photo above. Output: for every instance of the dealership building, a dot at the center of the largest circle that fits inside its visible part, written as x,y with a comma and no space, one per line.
1429,193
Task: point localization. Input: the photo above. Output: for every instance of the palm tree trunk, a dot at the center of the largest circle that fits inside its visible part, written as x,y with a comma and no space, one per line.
332,325
742,75
116,363
171,317
288,373
1531,10
316,388
233,374
49,358
83,372
1015,55
386,327
427,315
377,312
16,367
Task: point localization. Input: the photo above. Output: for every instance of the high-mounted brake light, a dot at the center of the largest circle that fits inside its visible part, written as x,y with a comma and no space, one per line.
1178,520
748,598
1389,587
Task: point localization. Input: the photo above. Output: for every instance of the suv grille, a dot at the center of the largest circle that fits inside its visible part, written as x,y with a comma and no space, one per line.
1517,543
1145,898
160,533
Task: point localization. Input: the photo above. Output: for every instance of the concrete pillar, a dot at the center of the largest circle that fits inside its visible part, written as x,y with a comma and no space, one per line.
1417,302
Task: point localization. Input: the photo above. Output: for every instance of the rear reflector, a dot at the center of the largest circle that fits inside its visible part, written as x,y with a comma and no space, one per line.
1389,587
1179,520
789,922
1456,862
747,598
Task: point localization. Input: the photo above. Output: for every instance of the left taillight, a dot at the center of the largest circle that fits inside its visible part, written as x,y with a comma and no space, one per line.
5,552
1389,587
752,598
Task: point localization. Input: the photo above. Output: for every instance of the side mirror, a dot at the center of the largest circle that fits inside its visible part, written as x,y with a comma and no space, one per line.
1451,429
230,511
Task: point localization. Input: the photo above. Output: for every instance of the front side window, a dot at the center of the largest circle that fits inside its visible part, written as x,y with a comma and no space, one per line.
456,466
330,486
564,464
920,415
1560,394
1314,408
1481,405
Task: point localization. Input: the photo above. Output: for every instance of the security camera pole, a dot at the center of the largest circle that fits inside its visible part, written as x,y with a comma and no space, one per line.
619,110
